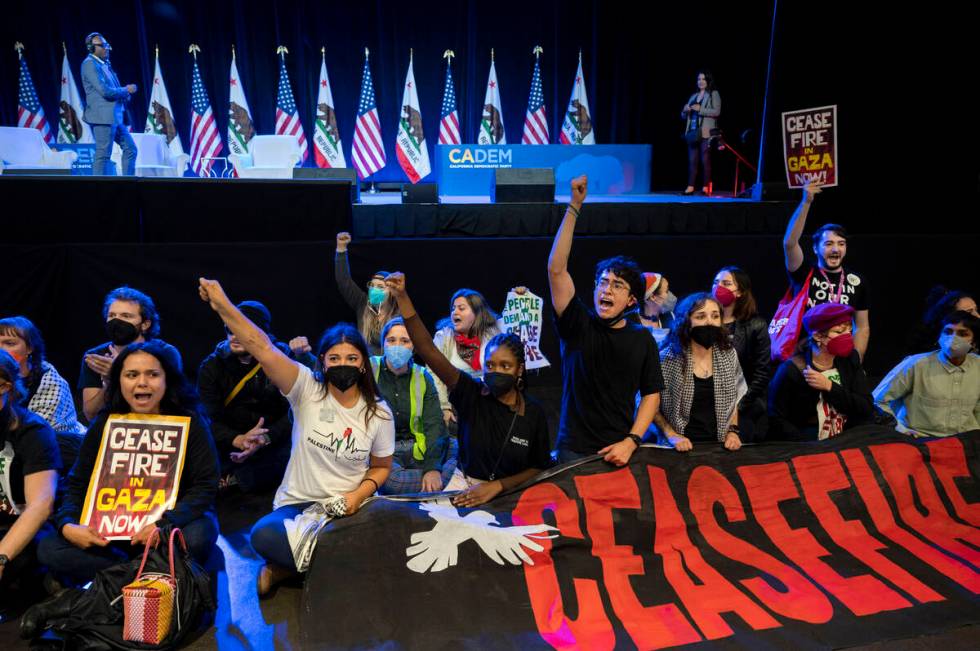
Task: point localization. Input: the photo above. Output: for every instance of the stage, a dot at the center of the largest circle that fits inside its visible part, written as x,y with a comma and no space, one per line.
155,210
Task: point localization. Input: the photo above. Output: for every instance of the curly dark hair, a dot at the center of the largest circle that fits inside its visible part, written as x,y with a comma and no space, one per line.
347,333
626,268
941,302
148,311
679,337
24,328
180,398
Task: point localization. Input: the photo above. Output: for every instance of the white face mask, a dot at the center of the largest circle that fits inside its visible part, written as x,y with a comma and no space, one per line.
954,346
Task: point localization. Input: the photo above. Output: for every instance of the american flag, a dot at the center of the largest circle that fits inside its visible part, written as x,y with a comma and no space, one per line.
287,118
535,122
449,122
205,142
29,111
368,152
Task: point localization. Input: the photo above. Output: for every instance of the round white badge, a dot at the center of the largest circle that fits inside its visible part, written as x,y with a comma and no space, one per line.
853,280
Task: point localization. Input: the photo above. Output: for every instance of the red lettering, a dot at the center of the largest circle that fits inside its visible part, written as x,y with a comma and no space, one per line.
948,461
884,521
819,475
801,599
768,485
902,466
683,564
651,627
592,629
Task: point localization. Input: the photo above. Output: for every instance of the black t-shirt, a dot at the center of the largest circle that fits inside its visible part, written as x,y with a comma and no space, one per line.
602,370
34,448
703,423
825,287
483,425
89,379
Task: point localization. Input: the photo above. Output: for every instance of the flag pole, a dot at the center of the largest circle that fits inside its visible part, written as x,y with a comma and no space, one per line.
373,189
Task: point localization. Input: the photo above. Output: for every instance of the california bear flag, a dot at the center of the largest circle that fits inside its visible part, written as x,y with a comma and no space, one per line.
413,155
159,115
240,127
326,136
71,128
491,131
576,129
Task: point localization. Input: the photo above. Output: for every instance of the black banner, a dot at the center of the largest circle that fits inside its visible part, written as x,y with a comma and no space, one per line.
869,536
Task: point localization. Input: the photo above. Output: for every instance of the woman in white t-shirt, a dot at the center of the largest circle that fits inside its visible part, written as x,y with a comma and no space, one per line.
342,442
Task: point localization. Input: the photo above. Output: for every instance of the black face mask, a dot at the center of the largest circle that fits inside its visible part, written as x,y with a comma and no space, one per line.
343,377
499,384
613,320
121,333
706,335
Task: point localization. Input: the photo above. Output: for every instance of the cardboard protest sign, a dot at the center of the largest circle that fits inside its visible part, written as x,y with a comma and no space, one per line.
810,146
137,473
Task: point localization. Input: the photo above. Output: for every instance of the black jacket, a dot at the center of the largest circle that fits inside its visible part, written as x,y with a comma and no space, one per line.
750,339
793,404
220,372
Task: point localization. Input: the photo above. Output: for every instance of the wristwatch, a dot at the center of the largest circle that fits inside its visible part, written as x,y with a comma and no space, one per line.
4,559
636,439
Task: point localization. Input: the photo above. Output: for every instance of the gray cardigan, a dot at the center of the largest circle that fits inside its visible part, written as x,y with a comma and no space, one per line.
710,110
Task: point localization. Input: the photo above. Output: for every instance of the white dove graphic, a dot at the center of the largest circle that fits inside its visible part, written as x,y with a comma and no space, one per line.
438,548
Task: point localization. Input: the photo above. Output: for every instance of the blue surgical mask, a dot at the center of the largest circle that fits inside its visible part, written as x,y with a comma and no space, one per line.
670,302
398,356
954,346
375,296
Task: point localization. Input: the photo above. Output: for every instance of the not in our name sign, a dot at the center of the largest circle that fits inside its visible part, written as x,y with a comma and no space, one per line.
137,473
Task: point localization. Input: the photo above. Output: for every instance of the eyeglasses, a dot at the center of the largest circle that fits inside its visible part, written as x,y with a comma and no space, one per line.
617,285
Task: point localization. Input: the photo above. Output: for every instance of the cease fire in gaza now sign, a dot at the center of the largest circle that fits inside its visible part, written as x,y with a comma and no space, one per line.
137,473
810,146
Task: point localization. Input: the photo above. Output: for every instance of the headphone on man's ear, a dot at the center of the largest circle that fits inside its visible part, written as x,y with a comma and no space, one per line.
88,42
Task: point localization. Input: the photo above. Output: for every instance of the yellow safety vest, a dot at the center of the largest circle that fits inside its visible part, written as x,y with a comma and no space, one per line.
416,392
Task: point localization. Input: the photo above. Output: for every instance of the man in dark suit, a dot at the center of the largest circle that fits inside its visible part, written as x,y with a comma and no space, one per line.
104,105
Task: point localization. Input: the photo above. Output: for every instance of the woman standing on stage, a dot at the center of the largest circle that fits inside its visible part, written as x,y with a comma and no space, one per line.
701,113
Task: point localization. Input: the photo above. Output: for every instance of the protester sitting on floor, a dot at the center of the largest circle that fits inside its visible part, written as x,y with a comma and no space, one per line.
462,338
372,308
503,434
144,378
606,359
822,390
29,464
937,393
657,312
732,288
343,437
130,317
703,380
249,417
940,303
425,456
48,394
